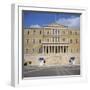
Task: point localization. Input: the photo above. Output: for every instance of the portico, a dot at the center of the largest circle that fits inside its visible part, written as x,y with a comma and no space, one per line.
54,48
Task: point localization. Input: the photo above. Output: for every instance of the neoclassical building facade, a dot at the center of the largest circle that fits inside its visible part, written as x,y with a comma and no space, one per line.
56,43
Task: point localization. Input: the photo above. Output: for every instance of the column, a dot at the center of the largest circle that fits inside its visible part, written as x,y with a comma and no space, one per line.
64,49
61,49
67,49
58,49
50,49
44,49
54,49
47,49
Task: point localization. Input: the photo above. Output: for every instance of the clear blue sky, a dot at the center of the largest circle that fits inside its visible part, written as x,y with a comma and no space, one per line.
32,18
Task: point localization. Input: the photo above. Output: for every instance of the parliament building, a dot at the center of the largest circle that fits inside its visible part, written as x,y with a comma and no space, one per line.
54,44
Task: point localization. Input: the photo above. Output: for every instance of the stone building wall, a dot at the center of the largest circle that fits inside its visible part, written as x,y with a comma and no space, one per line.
56,43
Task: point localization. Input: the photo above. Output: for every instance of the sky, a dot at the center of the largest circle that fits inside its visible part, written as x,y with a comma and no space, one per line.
39,19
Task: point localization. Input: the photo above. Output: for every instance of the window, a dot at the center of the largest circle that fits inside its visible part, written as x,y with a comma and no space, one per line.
63,32
58,32
53,31
26,51
47,32
75,33
70,32
77,50
27,40
28,32
47,40
58,39
63,39
53,39
33,50
40,32
33,41
71,50
39,41
34,31
70,40
76,40
40,50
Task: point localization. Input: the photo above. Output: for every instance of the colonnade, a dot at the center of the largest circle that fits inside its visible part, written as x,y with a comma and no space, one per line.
55,49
